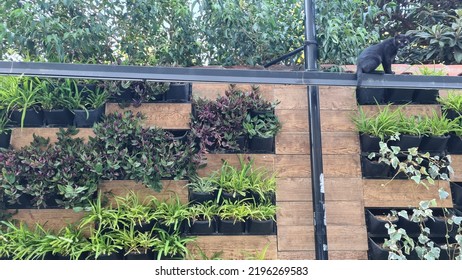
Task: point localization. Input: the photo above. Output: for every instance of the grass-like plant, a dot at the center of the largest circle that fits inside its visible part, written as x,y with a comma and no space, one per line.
382,124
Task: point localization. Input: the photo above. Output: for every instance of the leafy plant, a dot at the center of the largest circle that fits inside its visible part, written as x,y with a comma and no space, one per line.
382,124
203,212
265,126
135,242
172,213
262,212
172,245
453,101
202,184
438,125
4,123
69,242
234,211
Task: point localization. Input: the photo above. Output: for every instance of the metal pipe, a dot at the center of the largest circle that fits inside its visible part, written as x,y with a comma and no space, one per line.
314,118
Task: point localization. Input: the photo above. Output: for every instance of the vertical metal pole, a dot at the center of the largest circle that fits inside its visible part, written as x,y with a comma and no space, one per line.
317,176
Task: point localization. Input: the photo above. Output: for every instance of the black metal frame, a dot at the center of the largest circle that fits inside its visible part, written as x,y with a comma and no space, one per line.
220,75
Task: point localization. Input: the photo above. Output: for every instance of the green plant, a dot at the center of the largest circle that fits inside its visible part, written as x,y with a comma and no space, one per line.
172,213
265,126
235,211
132,211
4,123
203,212
453,101
103,244
262,212
427,71
202,184
69,242
172,245
382,124
258,255
99,217
262,183
437,125
135,242
233,180
411,125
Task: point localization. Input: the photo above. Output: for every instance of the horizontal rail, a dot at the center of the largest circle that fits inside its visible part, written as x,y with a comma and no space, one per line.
220,75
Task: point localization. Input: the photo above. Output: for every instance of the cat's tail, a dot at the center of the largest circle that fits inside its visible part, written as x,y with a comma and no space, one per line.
359,76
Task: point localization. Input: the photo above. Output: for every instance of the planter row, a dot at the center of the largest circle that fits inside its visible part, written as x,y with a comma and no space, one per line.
376,219
177,93
256,145
372,169
432,144
201,197
372,96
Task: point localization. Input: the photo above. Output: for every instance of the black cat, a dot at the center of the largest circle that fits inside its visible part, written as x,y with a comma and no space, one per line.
382,53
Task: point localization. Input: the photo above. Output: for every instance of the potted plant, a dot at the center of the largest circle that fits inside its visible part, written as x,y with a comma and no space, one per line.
20,98
233,182
172,215
202,218
428,96
232,217
262,185
172,245
261,131
376,219
5,130
261,219
201,189
376,127
105,246
69,244
88,106
436,131
134,213
454,144
451,104
136,245
54,102
410,132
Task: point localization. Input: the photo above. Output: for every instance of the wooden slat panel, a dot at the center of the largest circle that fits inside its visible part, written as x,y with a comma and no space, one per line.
163,115
343,189
51,219
342,166
337,98
296,255
340,143
23,137
214,161
293,143
347,255
293,189
122,187
345,213
337,120
293,120
235,247
346,238
402,193
293,166
456,164
296,238
212,91
291,97
295,213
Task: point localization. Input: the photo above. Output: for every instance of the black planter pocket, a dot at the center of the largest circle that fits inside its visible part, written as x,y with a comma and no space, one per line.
203,227
451,114
399,95
456,192
261,145
425,96
200,197
112,257
406,141
5,139
454,144
372,169
370,96
139,256
87,118
434,144
369,143
58,118
231,227
376,251
242,143
231,197
376,219
437,225
145,226
33,118
412,228
179,92
255,227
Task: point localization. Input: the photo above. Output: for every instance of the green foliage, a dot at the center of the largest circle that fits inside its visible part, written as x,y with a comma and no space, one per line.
439,125
453,101
382,124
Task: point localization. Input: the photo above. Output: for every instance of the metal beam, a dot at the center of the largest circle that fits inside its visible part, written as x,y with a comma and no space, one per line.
219,75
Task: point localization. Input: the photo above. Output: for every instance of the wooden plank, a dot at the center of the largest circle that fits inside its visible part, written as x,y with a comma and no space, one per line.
163,115
295,213
343,189
347,255
239,247
456,164
295,238
212,91
402,193
297,143
346,238
345,213
340,143
214,161
293,189
409,110
23,137
347,166
291,97
296,255
293,120
337,98
170,189
337,120
51,219
292,166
